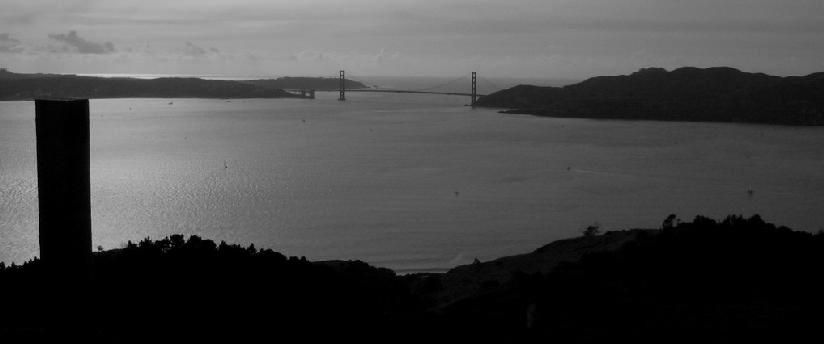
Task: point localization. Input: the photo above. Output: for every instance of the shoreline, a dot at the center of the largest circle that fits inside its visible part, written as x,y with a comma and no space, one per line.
538,113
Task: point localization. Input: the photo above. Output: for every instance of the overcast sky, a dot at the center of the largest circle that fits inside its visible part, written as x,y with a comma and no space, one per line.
512,38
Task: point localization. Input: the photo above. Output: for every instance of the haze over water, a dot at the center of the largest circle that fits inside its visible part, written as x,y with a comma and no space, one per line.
409,182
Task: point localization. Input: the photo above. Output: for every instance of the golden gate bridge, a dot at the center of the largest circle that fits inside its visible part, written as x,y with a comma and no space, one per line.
342,89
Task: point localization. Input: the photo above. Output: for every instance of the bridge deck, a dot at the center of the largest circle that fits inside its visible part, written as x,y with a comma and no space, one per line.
398,91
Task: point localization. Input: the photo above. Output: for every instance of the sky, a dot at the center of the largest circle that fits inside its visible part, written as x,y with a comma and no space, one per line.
565,39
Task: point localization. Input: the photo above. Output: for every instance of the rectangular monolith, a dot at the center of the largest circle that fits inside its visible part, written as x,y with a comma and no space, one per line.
63,185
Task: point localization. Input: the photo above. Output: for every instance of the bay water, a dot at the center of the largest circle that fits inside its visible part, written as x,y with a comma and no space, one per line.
405,181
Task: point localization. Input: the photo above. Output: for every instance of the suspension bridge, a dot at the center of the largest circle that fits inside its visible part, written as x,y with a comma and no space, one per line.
342,89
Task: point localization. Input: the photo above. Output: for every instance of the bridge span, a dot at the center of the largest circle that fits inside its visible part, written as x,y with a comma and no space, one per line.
310,93
383,90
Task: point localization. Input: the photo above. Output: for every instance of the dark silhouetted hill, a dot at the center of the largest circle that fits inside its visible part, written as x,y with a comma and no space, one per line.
16,86
685,94
736,280
731,281
178,290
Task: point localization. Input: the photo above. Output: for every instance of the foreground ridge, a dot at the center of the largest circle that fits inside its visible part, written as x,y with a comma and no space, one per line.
707,280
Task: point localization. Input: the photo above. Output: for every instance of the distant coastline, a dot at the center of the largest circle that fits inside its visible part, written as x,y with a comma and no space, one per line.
686,94
20,86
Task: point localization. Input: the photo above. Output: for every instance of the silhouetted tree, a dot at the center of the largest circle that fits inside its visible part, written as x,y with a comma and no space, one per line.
669,222
592,230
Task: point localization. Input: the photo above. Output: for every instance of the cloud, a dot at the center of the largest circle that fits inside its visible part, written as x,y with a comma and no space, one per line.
6,38
81,45
383,56
194,50
421,36
9,44
341,57
308,56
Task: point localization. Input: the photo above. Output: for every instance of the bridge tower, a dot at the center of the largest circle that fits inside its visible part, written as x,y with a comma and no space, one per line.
342,86
474,88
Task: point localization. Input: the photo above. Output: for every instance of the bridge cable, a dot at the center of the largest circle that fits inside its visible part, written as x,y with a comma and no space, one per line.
494,86
354,78
440,85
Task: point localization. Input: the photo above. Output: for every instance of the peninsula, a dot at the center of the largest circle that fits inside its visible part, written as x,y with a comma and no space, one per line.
19,86
719,94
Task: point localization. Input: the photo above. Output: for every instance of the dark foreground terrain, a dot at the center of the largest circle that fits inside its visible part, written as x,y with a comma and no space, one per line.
701,281
17,86
685,94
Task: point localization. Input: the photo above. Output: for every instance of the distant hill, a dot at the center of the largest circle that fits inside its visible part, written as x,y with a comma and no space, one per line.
685,94
17,86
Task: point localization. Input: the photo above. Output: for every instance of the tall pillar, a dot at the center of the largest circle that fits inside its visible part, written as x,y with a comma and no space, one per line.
64,191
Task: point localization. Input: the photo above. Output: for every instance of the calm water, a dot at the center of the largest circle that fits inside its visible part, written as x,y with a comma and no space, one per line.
408,182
